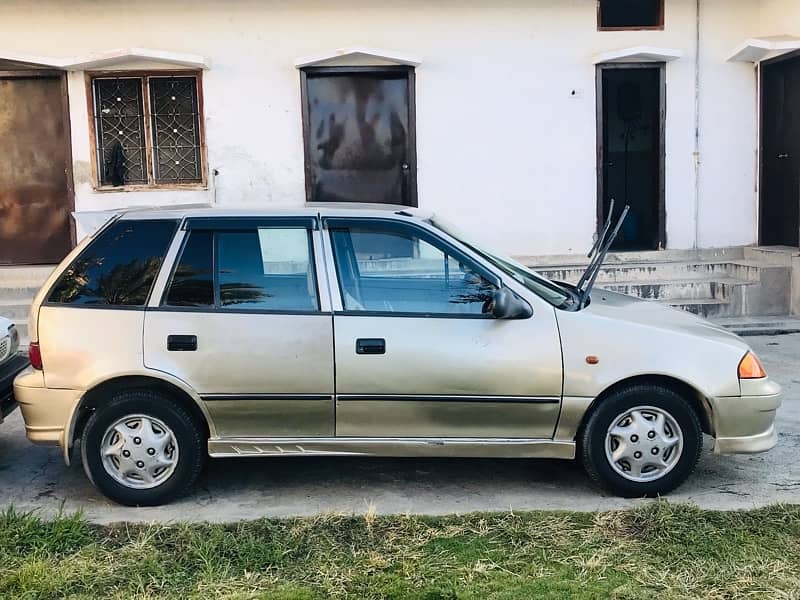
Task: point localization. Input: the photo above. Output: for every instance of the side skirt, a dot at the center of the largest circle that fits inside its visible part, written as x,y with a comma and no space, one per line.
399,447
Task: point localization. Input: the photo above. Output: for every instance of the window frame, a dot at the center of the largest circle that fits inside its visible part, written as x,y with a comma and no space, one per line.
657,27
240,224
144,76
409,227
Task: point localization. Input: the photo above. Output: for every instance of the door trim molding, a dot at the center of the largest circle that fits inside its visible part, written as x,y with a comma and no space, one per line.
392,447
231,397
447,398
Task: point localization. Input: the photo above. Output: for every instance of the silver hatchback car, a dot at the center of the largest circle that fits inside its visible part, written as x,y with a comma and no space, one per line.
171,336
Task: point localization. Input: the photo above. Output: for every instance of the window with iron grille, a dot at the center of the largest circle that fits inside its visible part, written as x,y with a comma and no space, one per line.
147,129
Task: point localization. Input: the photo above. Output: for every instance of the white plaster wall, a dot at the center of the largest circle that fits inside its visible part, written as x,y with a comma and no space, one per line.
504,149
728,127
779,17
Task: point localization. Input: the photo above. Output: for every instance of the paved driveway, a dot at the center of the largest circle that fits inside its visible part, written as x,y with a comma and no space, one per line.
33,477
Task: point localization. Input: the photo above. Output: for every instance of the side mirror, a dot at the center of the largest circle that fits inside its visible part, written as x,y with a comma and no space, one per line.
505,304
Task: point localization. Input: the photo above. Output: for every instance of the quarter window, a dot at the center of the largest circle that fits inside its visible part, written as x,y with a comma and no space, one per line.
147,130
118,268
267,268
397,270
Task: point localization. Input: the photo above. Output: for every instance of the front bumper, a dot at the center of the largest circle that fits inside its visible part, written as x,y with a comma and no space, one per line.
8,371
746,424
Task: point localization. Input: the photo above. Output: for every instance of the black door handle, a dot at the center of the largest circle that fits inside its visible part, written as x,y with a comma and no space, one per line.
370,346
181,343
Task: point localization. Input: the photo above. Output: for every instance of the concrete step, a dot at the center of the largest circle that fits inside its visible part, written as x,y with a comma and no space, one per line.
653,272
18,294
644,256
24,276
15,309
703,307
751,326
24,334
723,288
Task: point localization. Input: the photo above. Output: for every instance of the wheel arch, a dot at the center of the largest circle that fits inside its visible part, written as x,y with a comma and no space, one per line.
94,396
696,399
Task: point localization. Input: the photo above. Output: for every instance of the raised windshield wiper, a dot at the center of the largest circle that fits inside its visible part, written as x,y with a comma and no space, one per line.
598,254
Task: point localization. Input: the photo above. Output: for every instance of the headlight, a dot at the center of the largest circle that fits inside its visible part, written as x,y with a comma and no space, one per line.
750,367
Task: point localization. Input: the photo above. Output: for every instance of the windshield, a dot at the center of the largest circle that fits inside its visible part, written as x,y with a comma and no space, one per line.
557,295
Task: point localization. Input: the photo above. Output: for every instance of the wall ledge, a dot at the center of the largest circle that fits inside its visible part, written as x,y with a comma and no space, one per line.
760,48
357,54
637,54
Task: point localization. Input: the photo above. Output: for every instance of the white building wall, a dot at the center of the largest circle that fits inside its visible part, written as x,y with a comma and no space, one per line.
504,148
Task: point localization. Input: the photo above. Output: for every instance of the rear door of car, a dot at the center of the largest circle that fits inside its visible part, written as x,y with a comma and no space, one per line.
241,319
417,355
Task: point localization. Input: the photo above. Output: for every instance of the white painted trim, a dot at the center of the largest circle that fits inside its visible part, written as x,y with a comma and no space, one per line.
399,58
757,49
111,58
637,54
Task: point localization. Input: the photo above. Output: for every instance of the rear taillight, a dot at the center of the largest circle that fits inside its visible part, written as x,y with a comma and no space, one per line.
35,355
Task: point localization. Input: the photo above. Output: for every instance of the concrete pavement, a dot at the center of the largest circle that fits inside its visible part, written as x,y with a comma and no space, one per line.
35,478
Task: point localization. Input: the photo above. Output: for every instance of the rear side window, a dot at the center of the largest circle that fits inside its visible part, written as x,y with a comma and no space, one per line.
118,268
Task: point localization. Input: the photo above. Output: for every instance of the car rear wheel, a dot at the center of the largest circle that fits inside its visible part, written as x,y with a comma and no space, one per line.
142,449
642,440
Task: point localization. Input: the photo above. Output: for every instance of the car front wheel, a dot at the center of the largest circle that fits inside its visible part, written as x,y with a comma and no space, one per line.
142,449
642,440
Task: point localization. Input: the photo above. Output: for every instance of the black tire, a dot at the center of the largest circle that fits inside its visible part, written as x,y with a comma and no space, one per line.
592,440
187,432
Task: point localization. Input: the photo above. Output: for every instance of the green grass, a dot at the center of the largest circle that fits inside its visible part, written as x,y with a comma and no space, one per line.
658,551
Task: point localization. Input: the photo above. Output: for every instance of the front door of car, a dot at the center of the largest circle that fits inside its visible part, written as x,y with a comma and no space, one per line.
242,322
416,353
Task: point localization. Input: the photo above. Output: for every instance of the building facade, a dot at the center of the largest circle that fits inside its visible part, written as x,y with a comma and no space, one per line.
518,120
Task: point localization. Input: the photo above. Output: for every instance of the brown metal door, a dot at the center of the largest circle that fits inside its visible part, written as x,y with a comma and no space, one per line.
35,191
780,154
359,135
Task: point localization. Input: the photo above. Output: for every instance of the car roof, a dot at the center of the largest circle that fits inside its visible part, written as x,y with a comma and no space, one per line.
360,209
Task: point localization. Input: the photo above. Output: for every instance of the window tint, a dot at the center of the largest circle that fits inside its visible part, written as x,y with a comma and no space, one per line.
118,268
266,269
631,14
398,271
193,280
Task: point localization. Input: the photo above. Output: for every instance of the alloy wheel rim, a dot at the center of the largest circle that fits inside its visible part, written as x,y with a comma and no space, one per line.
139,451
644,444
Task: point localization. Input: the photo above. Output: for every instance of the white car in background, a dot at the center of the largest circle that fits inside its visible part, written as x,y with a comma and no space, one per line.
11,363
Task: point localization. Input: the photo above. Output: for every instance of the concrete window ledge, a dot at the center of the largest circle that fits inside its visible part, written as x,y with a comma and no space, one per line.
637,54
358,56
118,58
757,49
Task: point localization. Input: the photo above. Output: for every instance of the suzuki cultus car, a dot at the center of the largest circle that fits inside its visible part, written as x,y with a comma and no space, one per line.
171,336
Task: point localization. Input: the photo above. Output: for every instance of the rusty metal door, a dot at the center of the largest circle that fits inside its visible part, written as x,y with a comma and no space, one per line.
35,181
359,134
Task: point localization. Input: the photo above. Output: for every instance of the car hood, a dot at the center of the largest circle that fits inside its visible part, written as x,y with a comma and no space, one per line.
627,309
4,325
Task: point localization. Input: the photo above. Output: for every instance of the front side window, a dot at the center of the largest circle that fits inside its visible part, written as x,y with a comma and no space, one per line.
267,268
118,268
147,130
399,270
